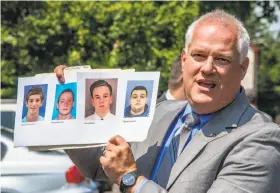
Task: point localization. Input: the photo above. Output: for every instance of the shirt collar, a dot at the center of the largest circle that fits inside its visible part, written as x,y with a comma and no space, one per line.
104,118
238,93
168,95
203,118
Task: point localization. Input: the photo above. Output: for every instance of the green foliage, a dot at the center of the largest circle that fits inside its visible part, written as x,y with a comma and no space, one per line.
38,35
256,22
140,35
269,76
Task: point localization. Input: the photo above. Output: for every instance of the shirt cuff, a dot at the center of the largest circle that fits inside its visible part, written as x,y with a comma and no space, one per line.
139,186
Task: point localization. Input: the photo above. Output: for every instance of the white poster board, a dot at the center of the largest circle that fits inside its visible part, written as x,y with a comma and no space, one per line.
84,126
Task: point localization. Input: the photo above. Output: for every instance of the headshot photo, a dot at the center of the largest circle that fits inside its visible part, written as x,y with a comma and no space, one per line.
138,98
101,96
34,105
65,102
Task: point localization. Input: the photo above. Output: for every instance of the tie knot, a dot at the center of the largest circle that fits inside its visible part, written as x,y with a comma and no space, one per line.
191,120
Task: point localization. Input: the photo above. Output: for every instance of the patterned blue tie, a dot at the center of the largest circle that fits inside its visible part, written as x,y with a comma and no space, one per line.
174,150
191,120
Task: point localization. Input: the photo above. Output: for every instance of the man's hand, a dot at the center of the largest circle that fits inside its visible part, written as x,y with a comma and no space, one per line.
59,73
117,159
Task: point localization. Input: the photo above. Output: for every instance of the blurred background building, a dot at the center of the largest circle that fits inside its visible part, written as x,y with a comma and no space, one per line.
250,80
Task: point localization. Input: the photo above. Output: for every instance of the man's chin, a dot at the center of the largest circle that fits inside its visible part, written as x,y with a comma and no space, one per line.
137,111
65,114
33,112
102,112
201,99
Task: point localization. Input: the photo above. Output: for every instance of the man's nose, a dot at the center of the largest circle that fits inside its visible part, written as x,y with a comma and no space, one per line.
208,66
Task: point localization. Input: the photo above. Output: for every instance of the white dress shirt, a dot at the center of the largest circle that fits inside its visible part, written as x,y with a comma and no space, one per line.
108,116
168,95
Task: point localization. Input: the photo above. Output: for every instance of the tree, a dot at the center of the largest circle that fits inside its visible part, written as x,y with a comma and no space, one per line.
14,46
269,76
256,15
37,36
140,35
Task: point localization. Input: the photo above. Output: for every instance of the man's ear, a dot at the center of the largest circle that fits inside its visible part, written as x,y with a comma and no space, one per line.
92,102
41,104
244,67
111,99
180,79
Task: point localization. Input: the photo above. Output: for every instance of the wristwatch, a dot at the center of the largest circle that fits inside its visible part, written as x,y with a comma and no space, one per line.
128,180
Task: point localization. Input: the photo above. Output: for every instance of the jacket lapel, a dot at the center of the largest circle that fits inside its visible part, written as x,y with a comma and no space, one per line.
224,119
199,141
148,150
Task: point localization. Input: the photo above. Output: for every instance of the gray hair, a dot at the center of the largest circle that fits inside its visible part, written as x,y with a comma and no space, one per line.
243,38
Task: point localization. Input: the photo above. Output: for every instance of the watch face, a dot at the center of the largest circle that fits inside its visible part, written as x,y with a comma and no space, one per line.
128,179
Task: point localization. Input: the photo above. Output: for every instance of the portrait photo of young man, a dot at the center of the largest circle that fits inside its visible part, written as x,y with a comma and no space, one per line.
65,103
138,98
102,100
34,106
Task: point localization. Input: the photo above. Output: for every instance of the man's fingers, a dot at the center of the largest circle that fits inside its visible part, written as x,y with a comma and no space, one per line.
59,72
117,159
104,161
118,140
111,147
110,155
108,148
